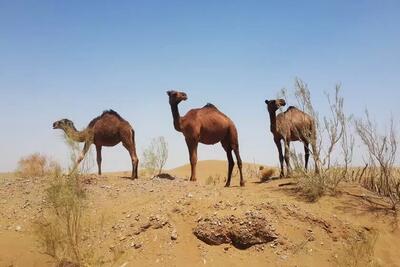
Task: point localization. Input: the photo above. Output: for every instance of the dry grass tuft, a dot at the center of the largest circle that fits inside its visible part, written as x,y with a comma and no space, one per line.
60,228
37,165
360,251
213,180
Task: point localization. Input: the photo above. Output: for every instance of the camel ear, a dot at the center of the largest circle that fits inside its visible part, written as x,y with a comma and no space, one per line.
171,93
267,101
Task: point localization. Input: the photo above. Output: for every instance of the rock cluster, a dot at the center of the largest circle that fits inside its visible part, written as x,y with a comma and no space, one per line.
242,232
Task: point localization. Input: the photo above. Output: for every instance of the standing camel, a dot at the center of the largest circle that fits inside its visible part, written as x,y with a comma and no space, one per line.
206,125
108,129
291,125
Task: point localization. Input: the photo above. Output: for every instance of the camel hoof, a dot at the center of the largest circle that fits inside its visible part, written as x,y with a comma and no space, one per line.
242,184
227,185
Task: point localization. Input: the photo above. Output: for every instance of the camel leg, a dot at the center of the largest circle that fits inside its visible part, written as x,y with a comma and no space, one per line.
135,161
315,156
192,146
81,156
130,146
134,157
239,163
231,163
98,158
287,157
279,146
306,155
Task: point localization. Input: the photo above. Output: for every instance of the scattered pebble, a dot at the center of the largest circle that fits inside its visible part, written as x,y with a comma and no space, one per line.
174,235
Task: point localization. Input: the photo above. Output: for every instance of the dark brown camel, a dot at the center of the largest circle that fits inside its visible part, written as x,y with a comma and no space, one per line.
108,129
291,125
206,125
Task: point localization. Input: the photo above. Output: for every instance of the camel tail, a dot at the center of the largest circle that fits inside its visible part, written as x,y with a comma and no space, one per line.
133,137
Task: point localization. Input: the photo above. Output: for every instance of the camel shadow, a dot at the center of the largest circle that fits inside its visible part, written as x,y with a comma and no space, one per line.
290,188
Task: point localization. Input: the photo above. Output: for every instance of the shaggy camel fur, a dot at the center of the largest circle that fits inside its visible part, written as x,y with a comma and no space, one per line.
108,129
291,125
206,125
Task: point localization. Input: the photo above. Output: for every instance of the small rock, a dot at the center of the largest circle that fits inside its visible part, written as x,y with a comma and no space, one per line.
18,228
174,235
137,246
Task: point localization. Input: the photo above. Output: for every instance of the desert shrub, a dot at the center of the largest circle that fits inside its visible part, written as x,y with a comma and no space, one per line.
37,165
155,156
333,141
380,173
60,229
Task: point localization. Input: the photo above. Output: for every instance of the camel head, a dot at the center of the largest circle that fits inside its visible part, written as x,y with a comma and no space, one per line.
176,97
63,124
274,105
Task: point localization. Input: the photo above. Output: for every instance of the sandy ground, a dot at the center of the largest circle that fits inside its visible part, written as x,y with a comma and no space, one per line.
150,222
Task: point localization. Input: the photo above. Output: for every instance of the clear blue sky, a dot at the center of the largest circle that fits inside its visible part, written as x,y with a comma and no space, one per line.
73,59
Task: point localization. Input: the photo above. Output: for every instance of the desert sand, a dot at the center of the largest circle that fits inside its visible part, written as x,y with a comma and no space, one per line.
150,222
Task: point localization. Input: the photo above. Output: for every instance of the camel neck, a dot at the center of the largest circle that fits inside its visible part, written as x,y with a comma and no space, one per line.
272,117
75,135
176,116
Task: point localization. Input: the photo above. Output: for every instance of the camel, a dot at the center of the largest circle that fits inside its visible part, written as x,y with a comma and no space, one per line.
108,129
206,125
291,125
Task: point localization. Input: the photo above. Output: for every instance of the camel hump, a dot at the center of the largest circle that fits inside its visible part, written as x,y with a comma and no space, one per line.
291,107
209,105
111,112
105,112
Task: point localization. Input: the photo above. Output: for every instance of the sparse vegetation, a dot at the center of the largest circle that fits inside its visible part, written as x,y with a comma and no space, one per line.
382,151
37,165
335,149
61,227
360,251
213,180
155,156
334,145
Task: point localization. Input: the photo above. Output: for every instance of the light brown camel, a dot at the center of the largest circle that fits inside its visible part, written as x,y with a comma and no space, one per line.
206,125
108,129
291,125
